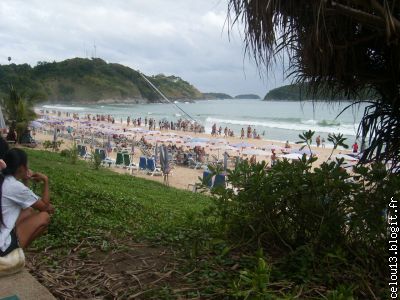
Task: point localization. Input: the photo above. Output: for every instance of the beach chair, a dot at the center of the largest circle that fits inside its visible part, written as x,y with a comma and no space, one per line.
219,181
142,163
102,153
151,167
82,150
120,159
108,161
79,148
193,163
207,180
127,162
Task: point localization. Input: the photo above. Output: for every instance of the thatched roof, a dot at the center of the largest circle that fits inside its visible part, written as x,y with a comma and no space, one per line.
344,44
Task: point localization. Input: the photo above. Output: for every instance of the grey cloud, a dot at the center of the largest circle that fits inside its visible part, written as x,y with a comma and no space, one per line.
180,37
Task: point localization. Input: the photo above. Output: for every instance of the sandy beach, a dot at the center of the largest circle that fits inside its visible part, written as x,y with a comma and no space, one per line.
181,176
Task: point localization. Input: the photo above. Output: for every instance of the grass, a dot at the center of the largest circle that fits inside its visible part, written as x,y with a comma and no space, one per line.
100,202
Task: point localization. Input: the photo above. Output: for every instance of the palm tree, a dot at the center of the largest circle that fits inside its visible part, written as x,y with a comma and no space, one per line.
339,45
18,111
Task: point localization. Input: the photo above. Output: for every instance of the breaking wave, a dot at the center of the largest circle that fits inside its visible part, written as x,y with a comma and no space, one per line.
326,126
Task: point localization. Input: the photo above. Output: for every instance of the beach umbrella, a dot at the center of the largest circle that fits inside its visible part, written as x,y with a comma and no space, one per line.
33,124
196,144
346,157
156,151
152,132
273,147
199,140
243,145
108,145
2,122
218,141
294,156
305,151
54,138
92,142
256,152
164,163
225,161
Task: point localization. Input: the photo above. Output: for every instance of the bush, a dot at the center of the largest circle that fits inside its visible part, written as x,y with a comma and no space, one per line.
65,153
52,145
95,160
321,217
73,154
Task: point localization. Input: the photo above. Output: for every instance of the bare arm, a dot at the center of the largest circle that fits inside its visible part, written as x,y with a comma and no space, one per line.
43,204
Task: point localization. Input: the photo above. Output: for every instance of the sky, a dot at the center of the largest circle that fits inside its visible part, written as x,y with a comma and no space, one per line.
186,38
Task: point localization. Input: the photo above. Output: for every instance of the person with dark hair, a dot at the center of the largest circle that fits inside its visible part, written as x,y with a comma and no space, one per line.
19,223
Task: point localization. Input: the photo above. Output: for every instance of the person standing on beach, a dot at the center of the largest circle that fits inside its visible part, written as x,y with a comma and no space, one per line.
242,134
318,140
214,130
323,142
355,147
273,158
248,132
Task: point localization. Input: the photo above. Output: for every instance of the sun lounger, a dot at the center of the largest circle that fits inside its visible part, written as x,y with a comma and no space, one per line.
219,181
127,162
151,167
108,161
120,160
82,150
194,164
142,163
100,152
210,181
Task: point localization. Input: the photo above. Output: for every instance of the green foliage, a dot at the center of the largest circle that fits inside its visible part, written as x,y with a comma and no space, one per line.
247,96
94,203
53,145
95,160
337,140
322,216
65,153
73,153
253,284
297,92
18,110
81,79
213,96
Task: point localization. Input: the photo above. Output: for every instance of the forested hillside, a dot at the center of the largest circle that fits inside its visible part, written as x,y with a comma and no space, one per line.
302,92
91,80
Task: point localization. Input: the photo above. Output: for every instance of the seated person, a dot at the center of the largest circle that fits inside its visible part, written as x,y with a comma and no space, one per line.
11,135
287,145
20,224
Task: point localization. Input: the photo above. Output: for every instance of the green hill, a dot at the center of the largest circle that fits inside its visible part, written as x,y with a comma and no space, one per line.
297,92
216,96
91,80
247,96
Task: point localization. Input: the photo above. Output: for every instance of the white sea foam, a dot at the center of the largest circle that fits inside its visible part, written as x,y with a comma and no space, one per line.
318,126
64,107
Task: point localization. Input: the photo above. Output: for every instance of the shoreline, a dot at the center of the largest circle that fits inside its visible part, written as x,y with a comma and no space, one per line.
181,176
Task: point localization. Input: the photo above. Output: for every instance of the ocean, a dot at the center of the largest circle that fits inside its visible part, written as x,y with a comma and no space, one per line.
278,120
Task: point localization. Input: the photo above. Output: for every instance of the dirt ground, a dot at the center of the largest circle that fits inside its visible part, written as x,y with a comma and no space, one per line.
134,271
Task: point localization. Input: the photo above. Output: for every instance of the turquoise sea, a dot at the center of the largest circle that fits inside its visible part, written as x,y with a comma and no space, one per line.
280,120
